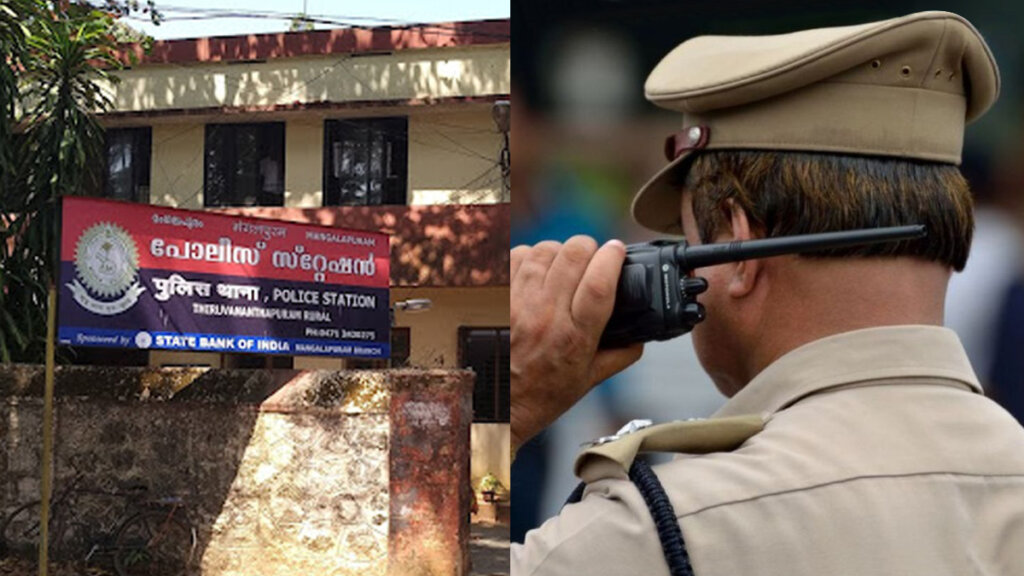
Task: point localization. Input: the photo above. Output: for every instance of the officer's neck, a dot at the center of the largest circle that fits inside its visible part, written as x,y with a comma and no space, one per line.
812,298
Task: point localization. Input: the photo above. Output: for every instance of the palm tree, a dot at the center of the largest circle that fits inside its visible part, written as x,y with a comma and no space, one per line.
53,84
13,42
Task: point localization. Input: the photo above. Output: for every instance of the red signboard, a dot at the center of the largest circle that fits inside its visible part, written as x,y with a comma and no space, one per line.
142,276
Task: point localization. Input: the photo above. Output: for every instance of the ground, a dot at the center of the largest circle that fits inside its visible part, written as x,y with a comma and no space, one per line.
17,567
489,549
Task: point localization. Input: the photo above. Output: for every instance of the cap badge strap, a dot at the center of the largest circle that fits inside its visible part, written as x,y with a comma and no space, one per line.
691,138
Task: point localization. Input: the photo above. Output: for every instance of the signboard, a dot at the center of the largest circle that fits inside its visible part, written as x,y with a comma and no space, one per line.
142,276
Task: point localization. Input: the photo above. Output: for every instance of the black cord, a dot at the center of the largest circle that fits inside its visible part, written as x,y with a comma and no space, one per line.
669,532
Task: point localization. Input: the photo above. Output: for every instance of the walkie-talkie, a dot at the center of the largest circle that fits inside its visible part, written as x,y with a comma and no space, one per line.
657,298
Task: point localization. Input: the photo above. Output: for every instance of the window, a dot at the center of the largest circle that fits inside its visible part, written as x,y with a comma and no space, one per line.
486,351
400,347
128,156
244,165
365,161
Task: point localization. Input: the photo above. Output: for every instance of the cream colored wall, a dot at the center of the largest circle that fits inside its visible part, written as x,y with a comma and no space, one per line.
434,334
453,157
489,445
303,161
407,74
176,172
453,154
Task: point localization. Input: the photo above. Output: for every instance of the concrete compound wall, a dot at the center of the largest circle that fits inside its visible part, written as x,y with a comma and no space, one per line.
284,472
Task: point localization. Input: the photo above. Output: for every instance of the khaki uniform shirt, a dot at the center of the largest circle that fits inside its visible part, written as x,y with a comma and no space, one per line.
879,455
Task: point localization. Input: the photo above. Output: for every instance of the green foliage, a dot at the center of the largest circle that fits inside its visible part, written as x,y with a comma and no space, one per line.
300,23
14,36
490,483
56,79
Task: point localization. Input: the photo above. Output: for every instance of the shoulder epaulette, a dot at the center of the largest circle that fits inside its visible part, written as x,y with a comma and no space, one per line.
612,456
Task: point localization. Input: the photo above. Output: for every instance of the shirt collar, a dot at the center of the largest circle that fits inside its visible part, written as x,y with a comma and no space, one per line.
854,357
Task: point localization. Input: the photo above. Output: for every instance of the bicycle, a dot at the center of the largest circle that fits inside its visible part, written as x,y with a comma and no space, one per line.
152,537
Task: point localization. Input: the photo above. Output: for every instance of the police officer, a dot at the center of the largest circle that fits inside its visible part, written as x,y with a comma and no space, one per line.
856,438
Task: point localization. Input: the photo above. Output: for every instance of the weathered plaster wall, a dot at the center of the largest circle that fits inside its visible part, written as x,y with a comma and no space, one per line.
428,73
284,472
429,471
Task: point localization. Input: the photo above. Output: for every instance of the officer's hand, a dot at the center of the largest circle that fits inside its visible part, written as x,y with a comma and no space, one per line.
561,298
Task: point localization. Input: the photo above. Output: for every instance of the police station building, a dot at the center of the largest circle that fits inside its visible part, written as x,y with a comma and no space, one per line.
390,130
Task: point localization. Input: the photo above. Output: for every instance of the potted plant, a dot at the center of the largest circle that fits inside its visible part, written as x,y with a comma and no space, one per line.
491,488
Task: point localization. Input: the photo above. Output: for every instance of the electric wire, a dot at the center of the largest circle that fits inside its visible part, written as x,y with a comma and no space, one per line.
327,19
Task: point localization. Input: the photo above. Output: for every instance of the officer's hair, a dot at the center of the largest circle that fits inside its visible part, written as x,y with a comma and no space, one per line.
787,193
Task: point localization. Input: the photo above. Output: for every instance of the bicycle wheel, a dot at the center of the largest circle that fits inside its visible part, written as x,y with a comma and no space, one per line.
71,540
154,543
20,533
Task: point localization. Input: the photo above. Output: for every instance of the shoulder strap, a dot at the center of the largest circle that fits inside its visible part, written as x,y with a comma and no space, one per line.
612,456
664,515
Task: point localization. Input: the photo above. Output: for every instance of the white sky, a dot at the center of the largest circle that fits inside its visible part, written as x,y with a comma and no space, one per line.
371,13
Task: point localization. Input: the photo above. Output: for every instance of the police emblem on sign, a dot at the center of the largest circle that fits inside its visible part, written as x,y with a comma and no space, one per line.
107,267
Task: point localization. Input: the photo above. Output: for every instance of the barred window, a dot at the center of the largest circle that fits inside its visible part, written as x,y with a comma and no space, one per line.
128,153
365,161
244,165
487,352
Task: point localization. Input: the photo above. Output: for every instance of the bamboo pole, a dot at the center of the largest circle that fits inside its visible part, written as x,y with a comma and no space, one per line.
47,458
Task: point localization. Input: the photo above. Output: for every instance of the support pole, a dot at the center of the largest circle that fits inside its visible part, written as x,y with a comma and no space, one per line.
47,458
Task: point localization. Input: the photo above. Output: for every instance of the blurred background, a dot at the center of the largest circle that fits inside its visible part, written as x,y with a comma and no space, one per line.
584,139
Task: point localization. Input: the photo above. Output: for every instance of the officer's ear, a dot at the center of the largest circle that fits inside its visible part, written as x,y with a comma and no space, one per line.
745,273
